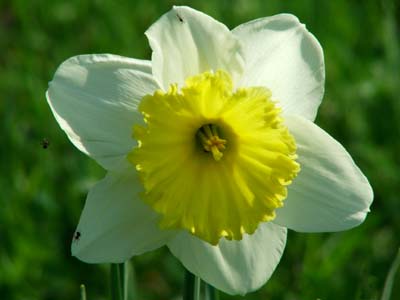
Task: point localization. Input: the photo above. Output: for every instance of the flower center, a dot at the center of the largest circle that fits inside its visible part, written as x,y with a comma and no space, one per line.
210,141
213,160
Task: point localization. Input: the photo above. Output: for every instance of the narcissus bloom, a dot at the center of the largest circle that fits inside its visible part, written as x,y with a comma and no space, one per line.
210,147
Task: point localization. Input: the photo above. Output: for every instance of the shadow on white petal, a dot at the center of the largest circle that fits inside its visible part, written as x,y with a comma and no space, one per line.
282,55
330,193
234,267
186,42
94,99
115,224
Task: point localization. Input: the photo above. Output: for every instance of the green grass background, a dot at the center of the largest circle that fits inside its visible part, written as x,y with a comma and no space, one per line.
43,190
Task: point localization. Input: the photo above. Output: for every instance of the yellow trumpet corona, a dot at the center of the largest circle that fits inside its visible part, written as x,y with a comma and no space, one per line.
213,160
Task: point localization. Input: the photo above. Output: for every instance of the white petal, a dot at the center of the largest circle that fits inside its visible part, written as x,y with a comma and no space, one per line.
94,99
234,267
330,193
115,224
283,56
186,42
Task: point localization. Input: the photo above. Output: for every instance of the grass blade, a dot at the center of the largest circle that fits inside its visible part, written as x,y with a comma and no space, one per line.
387,289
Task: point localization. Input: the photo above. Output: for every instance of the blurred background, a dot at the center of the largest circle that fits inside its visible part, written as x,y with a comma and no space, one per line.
43,189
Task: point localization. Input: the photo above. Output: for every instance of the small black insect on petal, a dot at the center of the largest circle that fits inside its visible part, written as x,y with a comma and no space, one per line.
77,235
179,18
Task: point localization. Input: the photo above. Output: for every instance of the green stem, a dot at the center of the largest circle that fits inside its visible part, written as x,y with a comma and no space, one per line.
118,281
123,271
197,286
193,286
83,292
211,292
188,286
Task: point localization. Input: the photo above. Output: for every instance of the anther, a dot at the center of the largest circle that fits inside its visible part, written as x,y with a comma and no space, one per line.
210,140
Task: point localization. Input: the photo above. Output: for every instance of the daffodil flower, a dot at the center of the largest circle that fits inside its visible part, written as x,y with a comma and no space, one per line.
210,147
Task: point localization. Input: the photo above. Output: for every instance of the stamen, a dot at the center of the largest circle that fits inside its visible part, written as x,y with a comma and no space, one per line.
210,140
